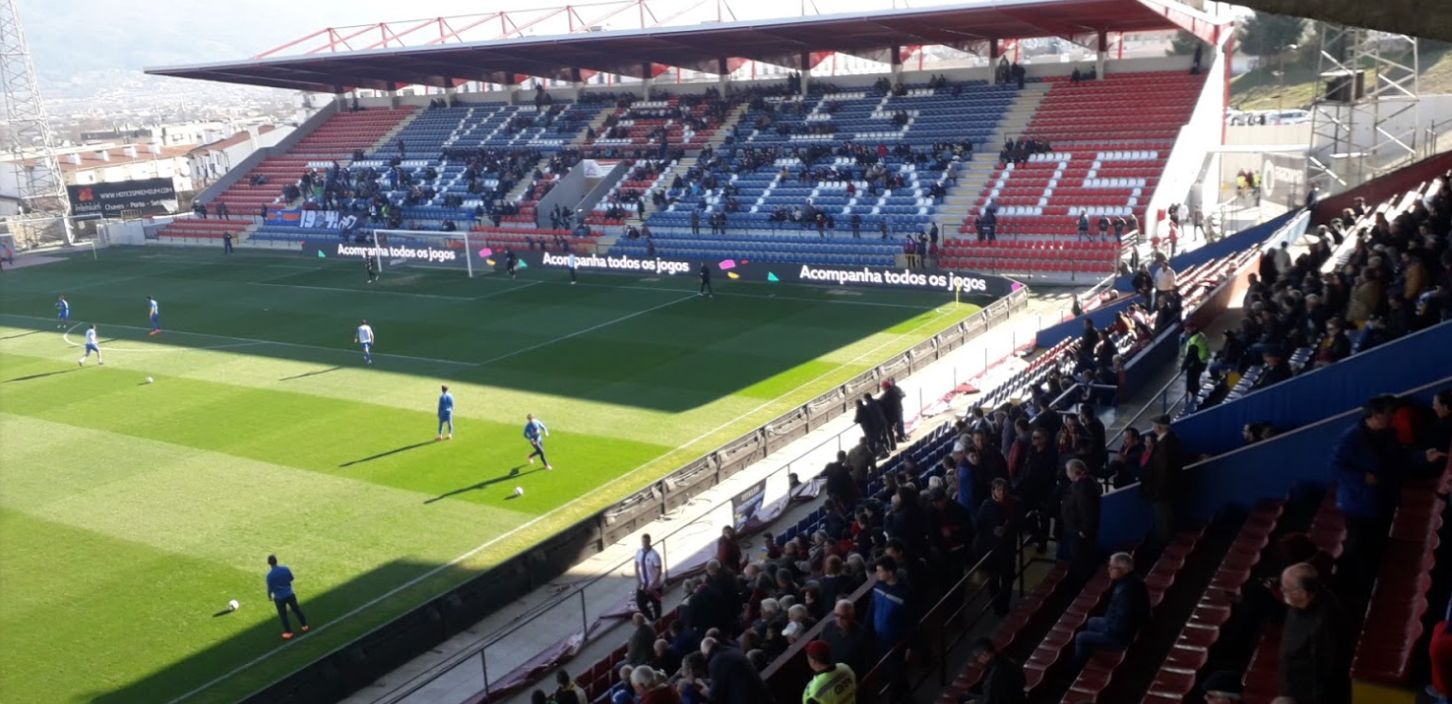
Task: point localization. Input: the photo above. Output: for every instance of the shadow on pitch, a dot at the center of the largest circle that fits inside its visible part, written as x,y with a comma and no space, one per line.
381,455
305,375
42,375
23,334
513,473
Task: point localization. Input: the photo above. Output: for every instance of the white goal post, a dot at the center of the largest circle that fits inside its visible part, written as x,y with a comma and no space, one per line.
429,249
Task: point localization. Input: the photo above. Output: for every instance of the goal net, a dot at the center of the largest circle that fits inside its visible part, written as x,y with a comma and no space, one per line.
394,249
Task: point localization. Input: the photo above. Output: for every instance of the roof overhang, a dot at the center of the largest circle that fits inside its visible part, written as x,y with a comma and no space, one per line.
699,47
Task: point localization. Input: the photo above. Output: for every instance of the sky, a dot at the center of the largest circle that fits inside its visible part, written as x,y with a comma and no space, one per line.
70,36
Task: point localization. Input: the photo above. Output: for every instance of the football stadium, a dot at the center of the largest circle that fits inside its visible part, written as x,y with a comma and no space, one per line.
644,352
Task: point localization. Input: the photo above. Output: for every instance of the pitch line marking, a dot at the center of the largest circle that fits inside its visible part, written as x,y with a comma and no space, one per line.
590,329
511,532
337,289
256,341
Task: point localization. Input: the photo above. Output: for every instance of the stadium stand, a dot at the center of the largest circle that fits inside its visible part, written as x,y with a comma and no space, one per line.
1076,156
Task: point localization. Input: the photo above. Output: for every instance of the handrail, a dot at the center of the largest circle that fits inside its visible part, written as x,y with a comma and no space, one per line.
1163,408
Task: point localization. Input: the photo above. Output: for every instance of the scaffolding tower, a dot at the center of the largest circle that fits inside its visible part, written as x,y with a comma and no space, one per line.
1364,119
44,208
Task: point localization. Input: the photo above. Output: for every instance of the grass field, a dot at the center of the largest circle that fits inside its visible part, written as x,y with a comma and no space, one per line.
131,512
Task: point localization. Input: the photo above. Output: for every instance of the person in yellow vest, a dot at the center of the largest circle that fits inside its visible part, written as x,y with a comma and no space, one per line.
831,683
1196,357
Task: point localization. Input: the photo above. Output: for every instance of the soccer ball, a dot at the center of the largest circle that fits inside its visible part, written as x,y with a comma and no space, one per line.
519,491
234,604
150,380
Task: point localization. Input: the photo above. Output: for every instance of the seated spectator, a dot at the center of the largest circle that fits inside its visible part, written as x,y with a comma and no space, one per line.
1129,609
652,687
733,678
1222,687
1002,681
567,692
622,692
642,640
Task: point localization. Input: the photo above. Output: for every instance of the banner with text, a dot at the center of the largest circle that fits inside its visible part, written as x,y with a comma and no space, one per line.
398,248
149,196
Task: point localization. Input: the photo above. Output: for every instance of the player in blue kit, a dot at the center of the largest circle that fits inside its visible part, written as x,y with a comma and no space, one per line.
446,414
535,432
364,337
91,346
154,314
62,312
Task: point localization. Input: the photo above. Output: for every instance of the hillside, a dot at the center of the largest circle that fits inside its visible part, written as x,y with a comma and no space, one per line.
1260,89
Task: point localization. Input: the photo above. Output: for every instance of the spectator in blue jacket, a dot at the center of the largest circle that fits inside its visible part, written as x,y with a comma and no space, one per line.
1129,609
891,620
1365,488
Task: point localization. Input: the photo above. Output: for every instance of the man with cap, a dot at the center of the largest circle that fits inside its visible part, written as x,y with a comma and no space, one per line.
1162,478
1222,687
1002,681
831,683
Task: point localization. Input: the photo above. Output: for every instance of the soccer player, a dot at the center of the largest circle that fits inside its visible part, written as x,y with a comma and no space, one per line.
91,346
510,262
370,263
279,590
706,282
573,264
153,312
535,432
364,337
446,413
62,312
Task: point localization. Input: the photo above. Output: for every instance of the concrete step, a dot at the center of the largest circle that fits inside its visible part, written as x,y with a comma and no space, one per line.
596,123
519,189
391,134
726,127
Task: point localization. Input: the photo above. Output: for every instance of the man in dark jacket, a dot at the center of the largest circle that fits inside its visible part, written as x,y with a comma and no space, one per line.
733,679
1129,609
1079,512
995,528
1162,478
1034,485
874,424
1314,658
852,643
891,403
1002,681
1365,491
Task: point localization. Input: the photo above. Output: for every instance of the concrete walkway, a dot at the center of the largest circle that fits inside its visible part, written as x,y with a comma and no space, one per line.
604,583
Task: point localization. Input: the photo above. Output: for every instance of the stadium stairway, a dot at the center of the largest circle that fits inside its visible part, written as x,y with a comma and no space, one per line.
959,205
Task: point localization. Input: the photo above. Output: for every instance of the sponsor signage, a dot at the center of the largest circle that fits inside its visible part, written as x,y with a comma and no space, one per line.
151,196
1283,179
442,252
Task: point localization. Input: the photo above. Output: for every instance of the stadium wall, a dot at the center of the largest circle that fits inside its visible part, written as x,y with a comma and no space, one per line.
585,200
1238,478
353,666
1199,137
1315,394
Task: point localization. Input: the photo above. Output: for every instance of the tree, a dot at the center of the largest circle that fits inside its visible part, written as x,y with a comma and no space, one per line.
1183,44
1265,34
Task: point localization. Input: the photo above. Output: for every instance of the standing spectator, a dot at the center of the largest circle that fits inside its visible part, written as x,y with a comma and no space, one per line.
1129,609
733,679
1080,515
1084,226
279,590
995,530
891,621
1164,278
649,579
695,222
728,550
227,243
641,646
952,532
1440,653
891,404
1034,485
832,682
851,642
1196,357
1364,491
1314,657
1162,478
1002,681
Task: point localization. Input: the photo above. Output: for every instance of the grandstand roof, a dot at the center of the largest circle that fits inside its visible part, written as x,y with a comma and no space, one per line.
631,52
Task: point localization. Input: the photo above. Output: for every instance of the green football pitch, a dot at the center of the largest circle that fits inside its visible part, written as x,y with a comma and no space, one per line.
131,512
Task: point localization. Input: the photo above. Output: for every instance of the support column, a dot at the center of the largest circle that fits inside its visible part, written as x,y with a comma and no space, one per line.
394,93
994,51
1101,55
896,52
806,63
723,73
646,81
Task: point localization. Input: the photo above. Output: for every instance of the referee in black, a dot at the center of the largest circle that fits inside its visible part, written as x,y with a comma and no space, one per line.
370,262
706,282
